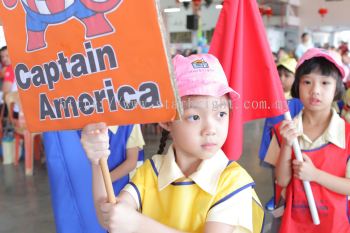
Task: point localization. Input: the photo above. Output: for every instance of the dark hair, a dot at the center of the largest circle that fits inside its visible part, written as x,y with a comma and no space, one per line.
324,67
283,70
274,55
3,48
304,34
282,49
163,139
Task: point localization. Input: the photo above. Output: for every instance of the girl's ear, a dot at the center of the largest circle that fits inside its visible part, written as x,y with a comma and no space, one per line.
165,125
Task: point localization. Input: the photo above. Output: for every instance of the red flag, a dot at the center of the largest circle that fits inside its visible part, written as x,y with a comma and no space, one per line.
240,44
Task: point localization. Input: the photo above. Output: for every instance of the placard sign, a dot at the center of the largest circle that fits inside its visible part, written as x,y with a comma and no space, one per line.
82,61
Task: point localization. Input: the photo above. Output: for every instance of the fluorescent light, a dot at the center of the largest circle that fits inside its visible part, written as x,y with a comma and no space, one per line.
171,10
185,0
219,6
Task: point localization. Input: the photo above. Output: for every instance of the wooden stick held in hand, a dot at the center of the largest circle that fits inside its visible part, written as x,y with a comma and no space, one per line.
107,180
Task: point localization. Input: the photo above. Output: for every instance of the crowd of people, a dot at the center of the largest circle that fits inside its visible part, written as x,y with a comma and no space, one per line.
193,187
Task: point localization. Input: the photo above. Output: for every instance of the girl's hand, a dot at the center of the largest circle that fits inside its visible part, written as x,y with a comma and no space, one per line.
120,217
95,141
304,170
288,132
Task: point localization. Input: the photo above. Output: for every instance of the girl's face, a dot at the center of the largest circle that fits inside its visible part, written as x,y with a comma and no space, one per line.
287,79
203,128
316,91
4,58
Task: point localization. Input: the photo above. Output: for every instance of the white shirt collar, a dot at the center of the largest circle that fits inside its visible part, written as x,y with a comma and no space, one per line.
335,132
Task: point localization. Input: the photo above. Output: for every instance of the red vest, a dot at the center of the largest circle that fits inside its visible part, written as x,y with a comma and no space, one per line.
333,208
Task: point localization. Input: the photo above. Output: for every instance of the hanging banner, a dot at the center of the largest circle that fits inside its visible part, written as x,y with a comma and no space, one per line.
83,61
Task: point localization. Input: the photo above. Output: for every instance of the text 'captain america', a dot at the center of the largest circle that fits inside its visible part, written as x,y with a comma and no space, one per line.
76,66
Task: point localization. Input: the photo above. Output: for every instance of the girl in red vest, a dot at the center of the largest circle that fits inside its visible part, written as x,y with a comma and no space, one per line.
325,142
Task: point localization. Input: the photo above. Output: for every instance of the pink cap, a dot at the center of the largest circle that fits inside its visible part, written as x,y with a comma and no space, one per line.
201,74
315,52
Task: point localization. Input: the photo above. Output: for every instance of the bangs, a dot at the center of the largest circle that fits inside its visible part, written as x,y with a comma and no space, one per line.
319,65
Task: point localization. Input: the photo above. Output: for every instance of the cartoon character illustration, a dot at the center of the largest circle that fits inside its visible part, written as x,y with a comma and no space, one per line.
42,13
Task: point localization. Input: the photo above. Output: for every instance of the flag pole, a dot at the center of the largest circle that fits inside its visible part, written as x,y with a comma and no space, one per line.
306,184
107,180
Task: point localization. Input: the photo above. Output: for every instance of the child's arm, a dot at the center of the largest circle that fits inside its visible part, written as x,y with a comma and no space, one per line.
123,217
307,171
148,225
95,141
283,169
127,166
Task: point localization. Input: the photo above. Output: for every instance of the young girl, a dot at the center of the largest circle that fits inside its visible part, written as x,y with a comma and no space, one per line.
194,187
325,141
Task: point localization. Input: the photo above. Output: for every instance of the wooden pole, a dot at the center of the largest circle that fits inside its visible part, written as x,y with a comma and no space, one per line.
107,180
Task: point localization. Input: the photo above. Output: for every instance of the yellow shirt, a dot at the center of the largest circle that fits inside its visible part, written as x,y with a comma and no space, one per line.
218,191
335,133
135,139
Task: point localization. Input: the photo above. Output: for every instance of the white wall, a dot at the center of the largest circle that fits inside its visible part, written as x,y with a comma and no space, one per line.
338,14
337,19
329,28
2,37
176,22
276,38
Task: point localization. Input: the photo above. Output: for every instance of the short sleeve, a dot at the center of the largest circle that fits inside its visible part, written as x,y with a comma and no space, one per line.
236,210
135,139
136,186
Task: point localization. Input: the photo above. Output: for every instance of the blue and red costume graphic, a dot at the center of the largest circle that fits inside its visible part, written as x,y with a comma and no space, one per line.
40,14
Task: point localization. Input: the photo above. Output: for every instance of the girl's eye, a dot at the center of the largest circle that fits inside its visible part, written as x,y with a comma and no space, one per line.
325,83
306,82
193,118
222,114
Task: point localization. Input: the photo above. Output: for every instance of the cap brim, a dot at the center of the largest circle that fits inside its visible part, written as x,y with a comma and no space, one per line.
286,67
313,53
217,91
